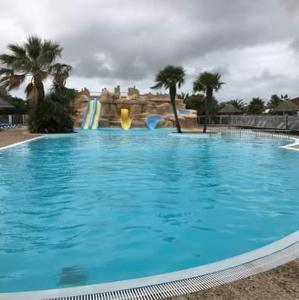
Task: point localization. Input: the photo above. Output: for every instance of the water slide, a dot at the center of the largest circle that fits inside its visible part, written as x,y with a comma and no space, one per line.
95,123
125,119
152,121
91,115
183,111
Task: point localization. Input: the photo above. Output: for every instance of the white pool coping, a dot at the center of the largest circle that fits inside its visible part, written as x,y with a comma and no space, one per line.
179,282
292,145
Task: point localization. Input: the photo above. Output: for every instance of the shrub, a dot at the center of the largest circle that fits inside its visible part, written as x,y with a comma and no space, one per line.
55,113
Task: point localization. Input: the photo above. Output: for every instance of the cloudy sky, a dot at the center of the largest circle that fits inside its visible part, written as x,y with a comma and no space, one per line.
253,44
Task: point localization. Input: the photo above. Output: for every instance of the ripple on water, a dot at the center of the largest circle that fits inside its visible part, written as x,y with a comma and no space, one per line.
109,205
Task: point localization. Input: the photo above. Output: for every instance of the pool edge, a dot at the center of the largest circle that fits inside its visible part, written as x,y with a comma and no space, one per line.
22,142
292,145
180,282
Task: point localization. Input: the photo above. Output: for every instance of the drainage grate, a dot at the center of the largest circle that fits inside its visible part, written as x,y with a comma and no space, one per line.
195,284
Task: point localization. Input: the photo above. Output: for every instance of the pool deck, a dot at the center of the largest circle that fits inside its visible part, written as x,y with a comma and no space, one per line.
279,283
15,135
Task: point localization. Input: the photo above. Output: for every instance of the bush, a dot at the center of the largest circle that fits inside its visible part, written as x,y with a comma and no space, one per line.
55,113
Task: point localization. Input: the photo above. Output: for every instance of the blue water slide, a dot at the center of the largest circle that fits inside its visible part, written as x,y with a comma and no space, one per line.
85,114
183,111
151,121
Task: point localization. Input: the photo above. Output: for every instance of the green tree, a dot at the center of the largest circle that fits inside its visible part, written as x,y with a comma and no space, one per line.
171,78
237,103
207,83
60,73
256,106
284,97
197,102
55,113
33,59
275,100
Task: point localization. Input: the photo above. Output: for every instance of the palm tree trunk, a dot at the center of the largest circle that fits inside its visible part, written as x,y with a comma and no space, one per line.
209,96
40,89
172,92
206,115
197,118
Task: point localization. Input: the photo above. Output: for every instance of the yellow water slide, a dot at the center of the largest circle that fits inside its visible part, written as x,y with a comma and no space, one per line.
88,116
125,119
95,122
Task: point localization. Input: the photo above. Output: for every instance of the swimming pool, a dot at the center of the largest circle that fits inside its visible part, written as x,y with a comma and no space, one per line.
107,205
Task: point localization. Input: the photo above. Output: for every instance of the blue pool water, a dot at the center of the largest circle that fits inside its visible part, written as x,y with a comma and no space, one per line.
107,205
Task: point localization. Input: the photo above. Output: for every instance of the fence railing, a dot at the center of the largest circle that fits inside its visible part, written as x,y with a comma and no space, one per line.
255,121
243,132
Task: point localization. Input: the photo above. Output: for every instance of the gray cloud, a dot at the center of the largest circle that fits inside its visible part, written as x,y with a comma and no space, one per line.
128,41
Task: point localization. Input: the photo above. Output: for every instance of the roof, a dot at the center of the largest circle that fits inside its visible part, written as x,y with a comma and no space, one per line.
296,101
287,106
4,104
229,109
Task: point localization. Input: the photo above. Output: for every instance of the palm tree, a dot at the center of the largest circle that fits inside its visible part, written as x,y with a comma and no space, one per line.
60,73
237,103
32,59
171,78
207,83
256,106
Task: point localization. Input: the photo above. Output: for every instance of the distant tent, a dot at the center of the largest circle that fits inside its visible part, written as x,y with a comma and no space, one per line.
287,107
229,109
4,104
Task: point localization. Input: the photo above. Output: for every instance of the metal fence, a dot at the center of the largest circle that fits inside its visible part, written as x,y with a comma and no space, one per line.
245,132
256,121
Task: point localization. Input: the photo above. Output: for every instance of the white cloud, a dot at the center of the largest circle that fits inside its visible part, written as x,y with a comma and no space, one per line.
252,43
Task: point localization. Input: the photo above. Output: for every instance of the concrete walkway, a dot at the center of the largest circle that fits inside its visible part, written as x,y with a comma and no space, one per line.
15,135
281,283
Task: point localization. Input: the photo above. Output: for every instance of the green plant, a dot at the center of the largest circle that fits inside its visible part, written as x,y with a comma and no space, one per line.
55,113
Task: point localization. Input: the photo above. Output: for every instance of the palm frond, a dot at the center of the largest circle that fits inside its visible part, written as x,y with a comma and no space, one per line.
17,49
6,71
16,81
207,80
50,51
158,85
12,81
33,47
7,59
170,76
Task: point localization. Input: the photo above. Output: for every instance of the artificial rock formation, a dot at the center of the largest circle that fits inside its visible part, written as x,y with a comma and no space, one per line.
140,107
